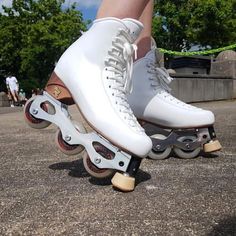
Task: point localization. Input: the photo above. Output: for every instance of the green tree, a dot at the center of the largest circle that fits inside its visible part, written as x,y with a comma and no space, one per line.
33,36
178,25
213,23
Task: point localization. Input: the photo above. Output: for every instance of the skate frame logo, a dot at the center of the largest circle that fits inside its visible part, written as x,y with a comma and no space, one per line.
57,91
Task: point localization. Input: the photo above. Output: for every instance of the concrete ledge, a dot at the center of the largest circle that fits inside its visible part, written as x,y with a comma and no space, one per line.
234,88
198,88
4,101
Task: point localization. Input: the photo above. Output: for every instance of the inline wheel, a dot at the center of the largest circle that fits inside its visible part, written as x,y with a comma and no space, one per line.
187,154
159,155
67,148
94,170
34,122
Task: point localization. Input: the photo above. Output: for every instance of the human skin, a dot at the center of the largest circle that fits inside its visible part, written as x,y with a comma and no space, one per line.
141,10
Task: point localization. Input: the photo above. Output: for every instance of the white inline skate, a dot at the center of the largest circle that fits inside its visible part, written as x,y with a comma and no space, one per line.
171,123
95,74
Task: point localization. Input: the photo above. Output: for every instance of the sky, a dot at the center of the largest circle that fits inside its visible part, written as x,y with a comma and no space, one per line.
87,7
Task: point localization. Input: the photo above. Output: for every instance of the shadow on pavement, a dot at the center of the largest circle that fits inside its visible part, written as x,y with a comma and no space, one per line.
209,155
77,170
201,154
141,176
226,227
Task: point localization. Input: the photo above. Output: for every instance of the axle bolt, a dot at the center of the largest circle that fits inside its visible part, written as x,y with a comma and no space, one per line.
35,111
67,138
97,160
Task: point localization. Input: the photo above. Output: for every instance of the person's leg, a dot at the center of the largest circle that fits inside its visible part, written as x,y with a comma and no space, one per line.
122,8
10,98
17,95
144,40
108,8
14,96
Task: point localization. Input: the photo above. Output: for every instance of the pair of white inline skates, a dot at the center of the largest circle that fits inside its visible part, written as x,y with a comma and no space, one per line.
95,73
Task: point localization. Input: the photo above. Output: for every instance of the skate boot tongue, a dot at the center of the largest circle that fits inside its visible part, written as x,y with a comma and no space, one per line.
128,53
151,55
134,26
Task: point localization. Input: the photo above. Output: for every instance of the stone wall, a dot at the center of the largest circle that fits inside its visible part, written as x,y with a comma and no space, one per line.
197,88
224,68
4,101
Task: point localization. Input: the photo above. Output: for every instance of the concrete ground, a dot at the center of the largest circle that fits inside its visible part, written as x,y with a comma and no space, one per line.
44,192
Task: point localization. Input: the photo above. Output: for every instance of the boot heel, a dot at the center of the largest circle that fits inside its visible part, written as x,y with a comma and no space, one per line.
57,89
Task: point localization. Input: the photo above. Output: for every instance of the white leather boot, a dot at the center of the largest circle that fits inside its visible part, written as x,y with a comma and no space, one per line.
151,99
152,102
96,69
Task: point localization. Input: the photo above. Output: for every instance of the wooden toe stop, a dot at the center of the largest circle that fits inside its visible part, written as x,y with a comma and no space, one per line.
123,182
212,146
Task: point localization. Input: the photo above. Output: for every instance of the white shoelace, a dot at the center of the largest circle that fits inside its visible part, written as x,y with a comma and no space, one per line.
160,81
120,64
160,77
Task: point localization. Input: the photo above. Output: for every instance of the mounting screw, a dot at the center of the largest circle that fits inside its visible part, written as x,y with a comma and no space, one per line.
187,146
67,138
97,160
121,163
35,111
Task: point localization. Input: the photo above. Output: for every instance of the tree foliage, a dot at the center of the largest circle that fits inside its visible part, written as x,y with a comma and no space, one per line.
180,24
33,35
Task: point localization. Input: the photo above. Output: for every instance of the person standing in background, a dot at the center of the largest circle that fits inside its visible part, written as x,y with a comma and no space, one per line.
22,97
13,88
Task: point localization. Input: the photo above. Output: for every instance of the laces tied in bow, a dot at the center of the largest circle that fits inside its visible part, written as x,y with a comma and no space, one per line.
160,76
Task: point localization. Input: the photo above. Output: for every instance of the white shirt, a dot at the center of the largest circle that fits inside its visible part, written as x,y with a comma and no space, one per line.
12,83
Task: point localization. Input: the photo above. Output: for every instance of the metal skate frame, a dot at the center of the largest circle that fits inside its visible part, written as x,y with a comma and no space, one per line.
203,135
72,136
